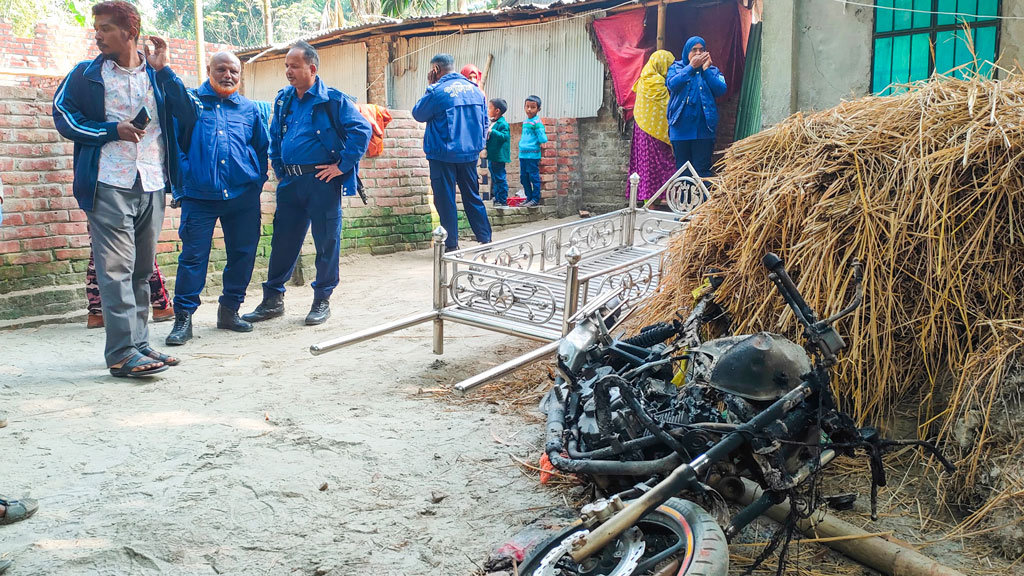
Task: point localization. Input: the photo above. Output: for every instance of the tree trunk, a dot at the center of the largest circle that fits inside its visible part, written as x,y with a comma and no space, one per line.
200,44
268,22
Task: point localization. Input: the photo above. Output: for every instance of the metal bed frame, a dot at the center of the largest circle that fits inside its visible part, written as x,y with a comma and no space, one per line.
533,284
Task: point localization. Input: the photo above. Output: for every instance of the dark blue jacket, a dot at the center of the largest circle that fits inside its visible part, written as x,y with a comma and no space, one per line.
692,94
80,116
224,152
455,112
340,126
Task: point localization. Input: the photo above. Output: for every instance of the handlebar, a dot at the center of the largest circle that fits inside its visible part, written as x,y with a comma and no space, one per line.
819,333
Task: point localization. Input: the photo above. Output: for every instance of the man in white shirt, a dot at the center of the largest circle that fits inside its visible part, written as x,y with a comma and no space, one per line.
124,165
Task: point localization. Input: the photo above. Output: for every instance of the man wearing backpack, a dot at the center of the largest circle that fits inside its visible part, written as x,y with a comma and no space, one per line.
317,137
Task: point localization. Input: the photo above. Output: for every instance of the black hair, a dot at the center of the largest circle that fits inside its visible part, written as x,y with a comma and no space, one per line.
308,53
500,105
444,62
535,99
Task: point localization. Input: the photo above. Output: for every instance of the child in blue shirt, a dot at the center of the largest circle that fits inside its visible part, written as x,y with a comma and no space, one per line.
529,151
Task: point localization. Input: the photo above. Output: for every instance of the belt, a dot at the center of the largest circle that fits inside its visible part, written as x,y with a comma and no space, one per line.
300,169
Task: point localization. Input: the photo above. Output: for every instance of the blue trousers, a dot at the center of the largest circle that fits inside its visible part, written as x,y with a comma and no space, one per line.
499,182
529,175
240,220
304,202
444,176
697,152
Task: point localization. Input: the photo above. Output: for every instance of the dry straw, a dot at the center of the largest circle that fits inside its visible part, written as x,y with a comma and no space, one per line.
927,188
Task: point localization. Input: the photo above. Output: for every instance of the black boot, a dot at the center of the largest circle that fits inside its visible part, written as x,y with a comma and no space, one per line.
182,330
319,312
271,307
227,319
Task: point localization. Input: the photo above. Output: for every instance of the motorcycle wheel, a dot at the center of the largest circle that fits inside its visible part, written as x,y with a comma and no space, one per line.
678,530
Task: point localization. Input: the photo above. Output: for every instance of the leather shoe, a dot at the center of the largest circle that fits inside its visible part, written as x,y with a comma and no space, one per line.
227,319
94,321
271,307
163,314
182,330
319,312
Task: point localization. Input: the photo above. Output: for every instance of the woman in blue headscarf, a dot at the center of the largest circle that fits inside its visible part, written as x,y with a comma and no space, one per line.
693,84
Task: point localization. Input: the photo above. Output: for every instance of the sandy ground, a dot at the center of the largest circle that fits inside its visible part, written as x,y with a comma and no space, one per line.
217,467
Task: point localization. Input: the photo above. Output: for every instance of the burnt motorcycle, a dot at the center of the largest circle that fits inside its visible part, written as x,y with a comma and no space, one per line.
755,406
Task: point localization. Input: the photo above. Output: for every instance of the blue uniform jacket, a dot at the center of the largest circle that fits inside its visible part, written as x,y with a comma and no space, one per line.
455,112
338,124
691,92
224,152
80,116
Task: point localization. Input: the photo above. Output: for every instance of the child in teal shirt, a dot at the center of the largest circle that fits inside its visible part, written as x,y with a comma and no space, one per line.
499,150
529,151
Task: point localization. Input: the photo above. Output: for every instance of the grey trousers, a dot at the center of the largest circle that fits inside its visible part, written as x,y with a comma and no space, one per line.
125,226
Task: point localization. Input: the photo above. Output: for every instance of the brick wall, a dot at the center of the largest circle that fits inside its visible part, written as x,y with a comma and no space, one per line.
42,60
560,171
44,244
605,157
378,55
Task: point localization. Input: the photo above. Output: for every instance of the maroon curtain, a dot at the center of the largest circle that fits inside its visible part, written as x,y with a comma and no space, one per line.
627,42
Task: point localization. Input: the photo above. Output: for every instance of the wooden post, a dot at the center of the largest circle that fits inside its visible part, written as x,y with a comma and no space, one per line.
268,22
662,22
200,44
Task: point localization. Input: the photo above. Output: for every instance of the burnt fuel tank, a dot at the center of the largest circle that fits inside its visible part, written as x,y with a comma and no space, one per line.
760,367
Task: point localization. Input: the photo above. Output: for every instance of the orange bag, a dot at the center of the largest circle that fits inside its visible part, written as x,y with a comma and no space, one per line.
379,117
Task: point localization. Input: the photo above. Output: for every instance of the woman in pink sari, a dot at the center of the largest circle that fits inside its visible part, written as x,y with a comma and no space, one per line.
651,153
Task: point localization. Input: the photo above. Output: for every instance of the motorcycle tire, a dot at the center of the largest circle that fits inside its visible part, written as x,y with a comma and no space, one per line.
704,550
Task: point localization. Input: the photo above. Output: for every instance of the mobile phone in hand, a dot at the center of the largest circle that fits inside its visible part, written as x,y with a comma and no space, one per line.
141,119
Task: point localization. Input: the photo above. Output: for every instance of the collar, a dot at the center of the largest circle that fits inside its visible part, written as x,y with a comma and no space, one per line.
95,69
207,90
453,76
318,91
110,64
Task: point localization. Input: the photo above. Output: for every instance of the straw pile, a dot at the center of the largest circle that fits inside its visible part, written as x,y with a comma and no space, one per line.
927,188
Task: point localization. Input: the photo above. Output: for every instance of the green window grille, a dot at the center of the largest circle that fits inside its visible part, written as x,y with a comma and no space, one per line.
924,36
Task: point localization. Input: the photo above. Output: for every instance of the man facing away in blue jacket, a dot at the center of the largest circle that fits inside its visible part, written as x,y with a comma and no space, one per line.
122,171
224,166
455,112
317,137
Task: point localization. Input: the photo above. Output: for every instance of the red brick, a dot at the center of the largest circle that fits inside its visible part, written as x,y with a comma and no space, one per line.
46,217
44,243
37,135
39,164
73,253
66,176
15,178
8,121
63,203
14,204
28,257
79,241
68,228
9,246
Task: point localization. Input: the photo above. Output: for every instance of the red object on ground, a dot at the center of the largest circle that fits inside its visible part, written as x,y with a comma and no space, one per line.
510,550
516,201
547,469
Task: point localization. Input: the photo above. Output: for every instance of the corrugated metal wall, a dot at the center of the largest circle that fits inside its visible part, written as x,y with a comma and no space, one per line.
555,61
342,67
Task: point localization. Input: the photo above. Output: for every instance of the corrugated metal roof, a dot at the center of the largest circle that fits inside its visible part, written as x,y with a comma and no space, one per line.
554,60
518,11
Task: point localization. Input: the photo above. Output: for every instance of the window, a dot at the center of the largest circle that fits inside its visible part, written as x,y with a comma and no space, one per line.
904,39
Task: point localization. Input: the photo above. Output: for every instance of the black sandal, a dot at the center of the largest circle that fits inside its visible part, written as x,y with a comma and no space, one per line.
136,360
160,356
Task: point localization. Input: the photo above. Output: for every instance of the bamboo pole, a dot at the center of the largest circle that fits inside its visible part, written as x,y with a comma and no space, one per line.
662,23
866,548
268,22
